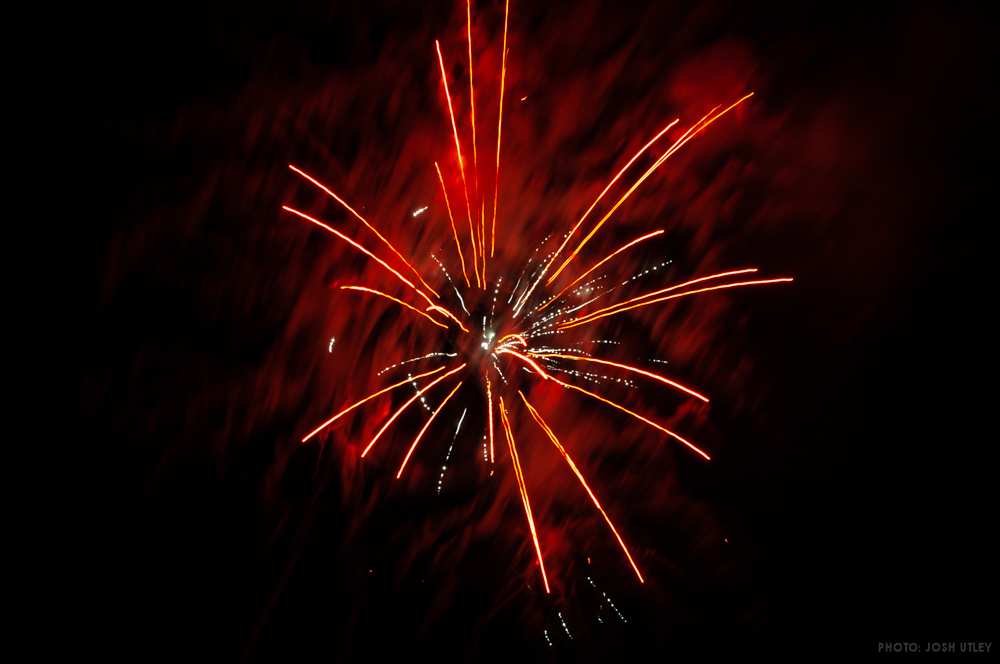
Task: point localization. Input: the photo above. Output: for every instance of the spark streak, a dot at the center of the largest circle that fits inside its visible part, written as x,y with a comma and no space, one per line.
603,192
598,264
650,374
436,307
424,429
555,441
454,231
635,415
365,289
461,163
363,221
503,76
530,362
519,475
354,405
668,289
406,405
489,402
696,129
361,249
738,284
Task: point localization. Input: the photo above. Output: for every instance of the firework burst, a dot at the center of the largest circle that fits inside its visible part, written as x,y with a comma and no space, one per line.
505,328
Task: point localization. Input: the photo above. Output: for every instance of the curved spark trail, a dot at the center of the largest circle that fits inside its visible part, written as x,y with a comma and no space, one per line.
592,317
598,264
365,222
424,429
650,374
461,163
354,405
458,246
365,289
519,475
516,328
555,441
698,127
406,405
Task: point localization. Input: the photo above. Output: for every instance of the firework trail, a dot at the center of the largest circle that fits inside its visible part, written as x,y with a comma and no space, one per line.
481,356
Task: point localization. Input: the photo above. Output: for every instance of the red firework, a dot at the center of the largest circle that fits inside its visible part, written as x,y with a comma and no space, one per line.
535,308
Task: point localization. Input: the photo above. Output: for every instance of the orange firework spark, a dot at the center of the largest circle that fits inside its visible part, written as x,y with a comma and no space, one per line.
454,231
483,355
696,129
354,405
489,416
461,163
527,360
738,284
406,405
592,205
363,221
645,296
503,76
650,374
435,307
365,289
424,429
596,265
519,475
555,441
635,415
515,337
361,249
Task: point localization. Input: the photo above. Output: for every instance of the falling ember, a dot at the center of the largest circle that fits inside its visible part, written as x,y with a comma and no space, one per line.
537,329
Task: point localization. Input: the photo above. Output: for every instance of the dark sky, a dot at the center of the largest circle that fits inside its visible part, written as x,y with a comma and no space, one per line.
858,499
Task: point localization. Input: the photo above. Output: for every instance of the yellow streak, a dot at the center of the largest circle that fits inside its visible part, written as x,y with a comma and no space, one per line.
424,429
472,90
489,401
597,265
635,415
519,474
694,131
396,300
650,374
482,238
528,360
354,405
503,75
454,231
555,441
516,337
449,315
646,296
676,295
364,221
406,405
601,195
361,249
461,162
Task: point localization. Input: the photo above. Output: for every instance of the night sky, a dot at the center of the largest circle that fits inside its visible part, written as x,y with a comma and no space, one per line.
849,500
